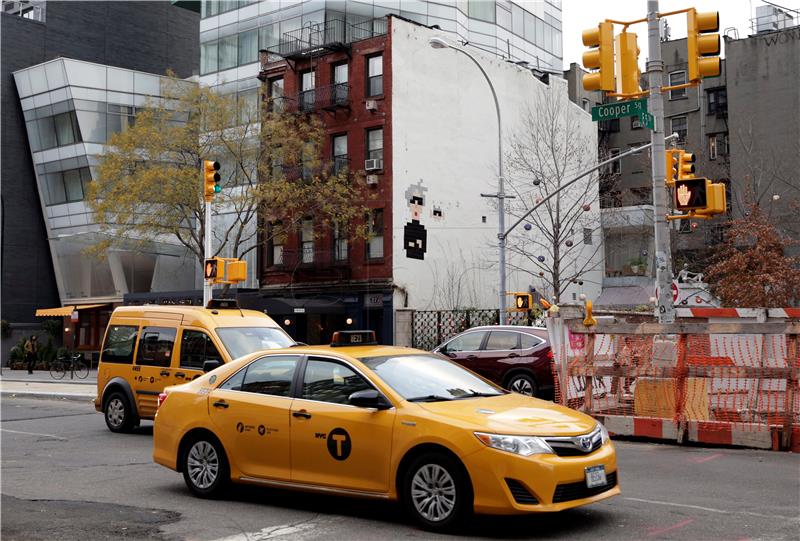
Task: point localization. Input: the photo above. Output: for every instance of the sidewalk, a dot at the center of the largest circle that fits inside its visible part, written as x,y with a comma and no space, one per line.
40,385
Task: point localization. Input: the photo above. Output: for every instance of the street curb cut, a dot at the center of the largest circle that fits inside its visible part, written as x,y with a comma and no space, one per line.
38,394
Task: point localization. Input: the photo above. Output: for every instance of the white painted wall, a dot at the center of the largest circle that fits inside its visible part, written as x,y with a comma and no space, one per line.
445,135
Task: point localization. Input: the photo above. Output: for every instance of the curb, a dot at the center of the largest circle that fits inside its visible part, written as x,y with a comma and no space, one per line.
46,381
78,397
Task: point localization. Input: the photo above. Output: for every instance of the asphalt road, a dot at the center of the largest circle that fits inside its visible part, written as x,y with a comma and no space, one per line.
65,476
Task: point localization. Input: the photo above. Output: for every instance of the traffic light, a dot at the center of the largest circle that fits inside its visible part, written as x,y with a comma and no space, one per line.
628,74
691,194
600,58
523,301
703,47
235,271
716,199
210,179
673,159
211,269
686,165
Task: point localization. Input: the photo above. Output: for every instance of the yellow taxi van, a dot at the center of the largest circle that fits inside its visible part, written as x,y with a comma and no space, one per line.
147,348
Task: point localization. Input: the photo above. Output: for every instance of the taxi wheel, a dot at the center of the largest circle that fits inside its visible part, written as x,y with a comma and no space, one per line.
118,413
522,383
436,492
205,467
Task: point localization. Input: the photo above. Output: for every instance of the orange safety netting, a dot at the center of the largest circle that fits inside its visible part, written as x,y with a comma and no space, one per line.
747,379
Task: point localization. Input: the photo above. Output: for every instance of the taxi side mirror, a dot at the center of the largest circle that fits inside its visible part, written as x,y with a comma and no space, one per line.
208,366
369,398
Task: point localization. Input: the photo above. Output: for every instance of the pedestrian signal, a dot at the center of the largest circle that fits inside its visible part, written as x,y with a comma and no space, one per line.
523,301
210,269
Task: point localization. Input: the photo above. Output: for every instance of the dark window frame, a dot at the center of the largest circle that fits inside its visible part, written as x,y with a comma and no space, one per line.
140,354
373,81
301,391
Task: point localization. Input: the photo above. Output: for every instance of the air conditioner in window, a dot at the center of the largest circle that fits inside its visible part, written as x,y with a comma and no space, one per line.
372,105
372,180
373,165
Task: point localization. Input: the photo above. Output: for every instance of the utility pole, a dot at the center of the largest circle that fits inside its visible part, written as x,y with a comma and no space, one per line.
665,308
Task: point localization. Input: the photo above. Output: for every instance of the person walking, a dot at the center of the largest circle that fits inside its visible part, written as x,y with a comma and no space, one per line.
31,352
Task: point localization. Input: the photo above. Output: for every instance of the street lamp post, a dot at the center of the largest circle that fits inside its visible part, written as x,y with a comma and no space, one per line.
440,43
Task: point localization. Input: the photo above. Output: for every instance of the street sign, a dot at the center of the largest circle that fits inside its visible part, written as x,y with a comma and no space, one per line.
647,120
610,111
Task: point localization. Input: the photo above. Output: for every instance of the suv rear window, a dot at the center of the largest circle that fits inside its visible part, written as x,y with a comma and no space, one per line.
118,347
155,346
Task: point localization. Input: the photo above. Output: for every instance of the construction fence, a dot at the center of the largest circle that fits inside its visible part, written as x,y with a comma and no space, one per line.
717,376
429,328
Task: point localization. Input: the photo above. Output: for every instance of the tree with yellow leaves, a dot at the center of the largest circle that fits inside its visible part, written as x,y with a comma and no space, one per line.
149,185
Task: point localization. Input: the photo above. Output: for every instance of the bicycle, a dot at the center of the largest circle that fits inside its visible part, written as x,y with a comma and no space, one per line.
74,363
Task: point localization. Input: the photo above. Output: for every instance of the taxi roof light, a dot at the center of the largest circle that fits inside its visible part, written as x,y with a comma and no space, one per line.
354,338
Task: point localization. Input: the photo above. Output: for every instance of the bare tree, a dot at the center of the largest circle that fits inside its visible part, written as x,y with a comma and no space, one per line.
546,152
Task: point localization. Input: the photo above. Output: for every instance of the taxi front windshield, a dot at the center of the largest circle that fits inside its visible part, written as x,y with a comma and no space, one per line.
429,378
243,340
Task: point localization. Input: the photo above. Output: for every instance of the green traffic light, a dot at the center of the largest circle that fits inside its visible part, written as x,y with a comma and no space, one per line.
217,188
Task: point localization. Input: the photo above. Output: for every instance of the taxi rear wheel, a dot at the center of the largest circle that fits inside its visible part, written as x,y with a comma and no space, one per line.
436,492
205,467
118,413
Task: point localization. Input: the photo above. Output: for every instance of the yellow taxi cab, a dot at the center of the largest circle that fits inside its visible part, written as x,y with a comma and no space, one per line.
147,348
385,422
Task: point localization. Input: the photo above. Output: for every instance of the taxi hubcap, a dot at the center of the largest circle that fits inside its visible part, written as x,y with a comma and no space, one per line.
433,492
202,464
115,412
522,386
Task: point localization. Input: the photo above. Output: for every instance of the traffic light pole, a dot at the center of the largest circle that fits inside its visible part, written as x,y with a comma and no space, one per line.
207,285
665,308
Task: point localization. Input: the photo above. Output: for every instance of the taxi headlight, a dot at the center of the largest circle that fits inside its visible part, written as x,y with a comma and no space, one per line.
519,445
604,433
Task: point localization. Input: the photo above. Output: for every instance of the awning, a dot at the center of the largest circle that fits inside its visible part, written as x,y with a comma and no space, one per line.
65,311
55,312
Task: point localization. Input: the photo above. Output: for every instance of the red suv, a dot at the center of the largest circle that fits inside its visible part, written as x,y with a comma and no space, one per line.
516,357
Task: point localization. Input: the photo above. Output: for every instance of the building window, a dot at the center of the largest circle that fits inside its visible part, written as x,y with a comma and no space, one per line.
228,52
275,95
339,243
587,235
307,91
585,104
375,144
307,240
275,244
712,147
375,234
340,87
481,9
680,127
375,75
339,146
677,78
636,123
208,57
248,107
717,101
248,47
615,167
66,187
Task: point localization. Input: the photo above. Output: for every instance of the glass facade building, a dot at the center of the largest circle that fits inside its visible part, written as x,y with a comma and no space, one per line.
70,109
232,32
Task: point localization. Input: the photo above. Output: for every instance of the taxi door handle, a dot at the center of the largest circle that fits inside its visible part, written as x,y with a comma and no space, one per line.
472,356
164,373
512,355
303,414
180,375
221,404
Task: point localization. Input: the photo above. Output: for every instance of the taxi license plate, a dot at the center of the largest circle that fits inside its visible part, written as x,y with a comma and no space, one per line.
595,476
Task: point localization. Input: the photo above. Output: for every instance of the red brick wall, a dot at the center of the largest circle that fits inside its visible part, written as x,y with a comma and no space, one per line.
355,122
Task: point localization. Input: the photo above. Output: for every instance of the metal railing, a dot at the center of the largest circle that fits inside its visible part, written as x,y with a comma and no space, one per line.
335,33
322,97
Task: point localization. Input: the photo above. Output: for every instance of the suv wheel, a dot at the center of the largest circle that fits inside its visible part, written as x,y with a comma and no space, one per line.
522,383
205,467
436,492
118,413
